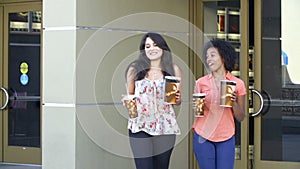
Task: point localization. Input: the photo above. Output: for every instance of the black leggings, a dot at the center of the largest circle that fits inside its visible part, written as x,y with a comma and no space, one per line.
151,152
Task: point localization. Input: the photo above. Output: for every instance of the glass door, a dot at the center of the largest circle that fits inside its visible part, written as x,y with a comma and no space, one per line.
20,85
277,128
2,97
228,20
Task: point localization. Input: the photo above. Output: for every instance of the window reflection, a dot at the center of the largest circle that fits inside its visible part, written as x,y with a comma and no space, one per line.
24,107
25,21
281,124
290,80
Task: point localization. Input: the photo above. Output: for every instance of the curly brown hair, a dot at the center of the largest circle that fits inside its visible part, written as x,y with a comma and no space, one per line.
226,51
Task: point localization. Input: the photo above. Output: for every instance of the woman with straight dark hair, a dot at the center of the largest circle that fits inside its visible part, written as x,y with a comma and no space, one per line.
152,133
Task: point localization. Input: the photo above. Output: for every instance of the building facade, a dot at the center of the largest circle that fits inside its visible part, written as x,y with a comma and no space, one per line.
62,77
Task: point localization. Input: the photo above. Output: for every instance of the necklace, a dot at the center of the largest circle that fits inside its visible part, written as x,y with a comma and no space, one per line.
154,73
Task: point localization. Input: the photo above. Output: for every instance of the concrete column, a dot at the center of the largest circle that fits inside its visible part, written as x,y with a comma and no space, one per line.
87,45
59,63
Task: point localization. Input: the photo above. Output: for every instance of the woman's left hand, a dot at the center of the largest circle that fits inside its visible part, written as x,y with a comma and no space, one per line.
233,97
178,97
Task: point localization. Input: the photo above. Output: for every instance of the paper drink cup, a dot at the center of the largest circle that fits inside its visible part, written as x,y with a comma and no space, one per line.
171,87
199,100
227,88
130,104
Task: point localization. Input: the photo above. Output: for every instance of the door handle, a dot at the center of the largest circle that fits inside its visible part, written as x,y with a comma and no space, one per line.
261,102
7,98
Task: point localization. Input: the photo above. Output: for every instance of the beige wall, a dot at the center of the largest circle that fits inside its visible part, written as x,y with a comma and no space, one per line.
87,46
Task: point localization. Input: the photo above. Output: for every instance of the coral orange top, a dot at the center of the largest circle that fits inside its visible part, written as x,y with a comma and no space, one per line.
218,122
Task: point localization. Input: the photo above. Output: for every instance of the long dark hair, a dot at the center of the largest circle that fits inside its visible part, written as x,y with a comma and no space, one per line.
142,64
226,51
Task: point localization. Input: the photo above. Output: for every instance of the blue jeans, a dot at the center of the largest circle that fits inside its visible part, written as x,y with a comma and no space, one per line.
151,152
214,155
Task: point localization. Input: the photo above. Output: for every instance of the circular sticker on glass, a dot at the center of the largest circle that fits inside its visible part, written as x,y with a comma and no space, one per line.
24,67
24,79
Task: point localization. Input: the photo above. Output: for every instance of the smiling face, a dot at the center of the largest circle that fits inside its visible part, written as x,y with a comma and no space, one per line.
153,52
214,60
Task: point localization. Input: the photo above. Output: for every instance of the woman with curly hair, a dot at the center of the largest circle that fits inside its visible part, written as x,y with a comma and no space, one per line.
214,133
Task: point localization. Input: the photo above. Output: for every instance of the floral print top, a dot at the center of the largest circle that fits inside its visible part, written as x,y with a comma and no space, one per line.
155,116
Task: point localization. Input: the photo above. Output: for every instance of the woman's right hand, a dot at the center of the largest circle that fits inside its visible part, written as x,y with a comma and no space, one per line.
194,104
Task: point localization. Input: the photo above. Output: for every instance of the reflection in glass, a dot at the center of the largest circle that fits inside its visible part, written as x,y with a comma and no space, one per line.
25,21
281,123
24,61
291,81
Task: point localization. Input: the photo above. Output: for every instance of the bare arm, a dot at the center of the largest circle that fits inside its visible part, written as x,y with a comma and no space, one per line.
178,93
238,107
130,83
